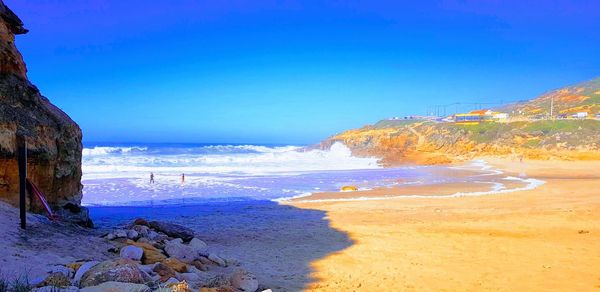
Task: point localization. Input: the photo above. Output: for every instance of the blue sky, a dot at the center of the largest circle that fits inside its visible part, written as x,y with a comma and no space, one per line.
293,71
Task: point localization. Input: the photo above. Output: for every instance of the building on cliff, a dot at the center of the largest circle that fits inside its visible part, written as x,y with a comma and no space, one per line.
479,116
54,140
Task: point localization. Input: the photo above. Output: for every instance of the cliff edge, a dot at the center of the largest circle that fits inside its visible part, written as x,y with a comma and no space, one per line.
53,139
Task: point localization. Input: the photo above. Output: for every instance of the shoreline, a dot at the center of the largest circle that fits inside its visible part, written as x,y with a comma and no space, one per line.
498,181
429,242
537,239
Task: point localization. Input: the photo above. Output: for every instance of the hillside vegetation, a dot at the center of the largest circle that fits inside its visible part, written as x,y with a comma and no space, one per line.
427,142
581,97
435,143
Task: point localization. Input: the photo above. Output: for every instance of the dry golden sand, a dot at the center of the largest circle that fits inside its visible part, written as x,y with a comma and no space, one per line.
547,239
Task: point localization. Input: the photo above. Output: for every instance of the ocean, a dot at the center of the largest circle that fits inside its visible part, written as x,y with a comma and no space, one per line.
119,174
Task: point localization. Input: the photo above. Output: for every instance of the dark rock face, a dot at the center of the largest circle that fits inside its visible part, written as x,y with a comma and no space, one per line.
173,230
54,140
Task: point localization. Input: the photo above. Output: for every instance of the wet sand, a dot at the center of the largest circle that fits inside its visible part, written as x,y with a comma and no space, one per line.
542,239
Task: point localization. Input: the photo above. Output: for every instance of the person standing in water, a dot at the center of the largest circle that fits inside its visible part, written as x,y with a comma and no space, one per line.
182,178
152,177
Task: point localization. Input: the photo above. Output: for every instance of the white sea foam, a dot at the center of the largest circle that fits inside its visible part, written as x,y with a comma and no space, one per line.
102,150
110,162
497,188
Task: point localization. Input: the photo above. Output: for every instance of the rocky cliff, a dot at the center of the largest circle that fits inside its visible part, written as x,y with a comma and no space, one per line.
421,142
426,142
54,140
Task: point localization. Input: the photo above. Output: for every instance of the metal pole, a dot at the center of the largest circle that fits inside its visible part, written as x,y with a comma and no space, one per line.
22,150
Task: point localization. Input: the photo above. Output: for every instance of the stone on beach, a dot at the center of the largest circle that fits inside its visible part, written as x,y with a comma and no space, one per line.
141,230
242,280
113,286
217,260
180,251
198,245
151,254
164,271
132,252
200,265
140,221
175,264
120,270
132,234
82,270
173,230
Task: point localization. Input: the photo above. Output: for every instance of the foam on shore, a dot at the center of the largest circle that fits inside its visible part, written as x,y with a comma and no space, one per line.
497,188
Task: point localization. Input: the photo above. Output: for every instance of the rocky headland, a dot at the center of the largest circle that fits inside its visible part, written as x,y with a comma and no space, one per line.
533,134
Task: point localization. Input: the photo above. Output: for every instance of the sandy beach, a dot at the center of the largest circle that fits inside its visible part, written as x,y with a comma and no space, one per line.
535,240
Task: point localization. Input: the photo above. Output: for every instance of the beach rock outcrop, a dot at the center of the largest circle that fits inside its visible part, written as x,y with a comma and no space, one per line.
167,262
53,139
120,270
173,230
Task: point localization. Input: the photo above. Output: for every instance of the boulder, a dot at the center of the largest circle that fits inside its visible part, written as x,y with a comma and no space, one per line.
140,221
132,252
132,234
217,260
245,281
164,271
152,235
120,270
180,251
120,233
151,254
205,261
83,268
56,280
176,265
200,265
141,230
173,230
117,287
198,245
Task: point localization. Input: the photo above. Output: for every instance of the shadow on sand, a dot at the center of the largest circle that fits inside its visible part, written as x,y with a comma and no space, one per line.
276,242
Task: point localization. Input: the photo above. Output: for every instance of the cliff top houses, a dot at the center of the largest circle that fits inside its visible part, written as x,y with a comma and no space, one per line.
478,116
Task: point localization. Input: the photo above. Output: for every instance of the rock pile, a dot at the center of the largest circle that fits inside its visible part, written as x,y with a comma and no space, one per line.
153,256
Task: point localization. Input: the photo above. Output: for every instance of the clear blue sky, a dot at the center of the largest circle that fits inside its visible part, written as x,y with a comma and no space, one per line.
293,71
